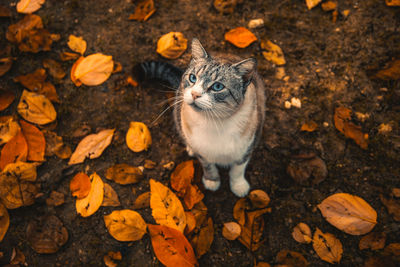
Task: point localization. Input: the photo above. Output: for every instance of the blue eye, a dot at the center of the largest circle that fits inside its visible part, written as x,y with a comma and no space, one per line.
217,86
192,78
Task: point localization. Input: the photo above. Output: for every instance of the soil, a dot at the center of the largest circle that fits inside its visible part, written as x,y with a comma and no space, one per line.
329,64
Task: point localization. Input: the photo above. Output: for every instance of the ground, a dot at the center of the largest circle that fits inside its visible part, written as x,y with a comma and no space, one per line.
329,64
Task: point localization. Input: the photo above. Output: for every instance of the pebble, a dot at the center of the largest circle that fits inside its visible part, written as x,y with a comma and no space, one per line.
295,102
255,23
288,105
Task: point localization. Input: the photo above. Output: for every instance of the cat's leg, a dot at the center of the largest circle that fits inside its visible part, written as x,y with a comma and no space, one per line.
238,183
210,179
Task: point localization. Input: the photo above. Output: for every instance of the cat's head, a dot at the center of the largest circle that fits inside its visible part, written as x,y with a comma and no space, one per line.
214,86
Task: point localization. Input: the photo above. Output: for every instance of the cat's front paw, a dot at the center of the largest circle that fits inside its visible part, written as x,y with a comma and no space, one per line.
189,151
211,184
240,187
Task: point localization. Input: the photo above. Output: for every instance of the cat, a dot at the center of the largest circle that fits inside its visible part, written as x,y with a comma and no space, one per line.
219,111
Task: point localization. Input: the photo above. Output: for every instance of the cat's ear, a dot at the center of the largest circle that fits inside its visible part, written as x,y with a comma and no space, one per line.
198,50
245,67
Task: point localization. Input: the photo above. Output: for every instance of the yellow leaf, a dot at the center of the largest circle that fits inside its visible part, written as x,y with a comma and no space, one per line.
348,213
272,52
77,44
29,6
327,246
124,174
110,197
92,202
172,45
240,37
138,137
125,225
8,129
166,208
92,146
312,3
94,69
4,221
302,233
36,108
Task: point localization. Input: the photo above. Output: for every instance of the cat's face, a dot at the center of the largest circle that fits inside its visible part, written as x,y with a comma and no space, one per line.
214,87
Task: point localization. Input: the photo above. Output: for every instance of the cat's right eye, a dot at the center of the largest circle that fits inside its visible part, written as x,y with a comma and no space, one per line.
192,78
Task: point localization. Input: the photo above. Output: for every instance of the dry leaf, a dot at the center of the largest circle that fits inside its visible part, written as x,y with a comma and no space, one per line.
125,225
166,207
6,98
199,212
342,123
190,222
17,258
56,146
110,197
391,72
231,230
92,202
67,56
348,213
373,241
291,258
302,233
55,199
92,146
309,126
240,37
5,65
138,137
142,201
203,239
259,199
5,12
149,164
327,246
252,230
93,69
80,185
329,6
46,234
225,6
17,187
77,44
36,108
172,45
35,140
263,264
143,10
312,3
8,129
124,174
73,69
4,221
15,150
393,207
304,165
392,2
54,68
182,176
239,211
110,257
273,52
22,29
171,246
193,196
29,6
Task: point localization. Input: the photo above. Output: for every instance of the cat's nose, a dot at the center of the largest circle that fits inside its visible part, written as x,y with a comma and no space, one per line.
195,95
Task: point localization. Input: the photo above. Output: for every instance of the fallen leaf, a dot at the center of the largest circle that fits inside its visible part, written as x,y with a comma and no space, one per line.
5,65
240,37
239,211
182,177
29,6
4,221
393,249
110,197
18,258
74,79
393,207
190,222
14,150
80,185
302,166
92,202
225,6
312,3
166,207
36,108
110,257
54,68
231,230
199,212
329,6
5,12
46,234
125,225
203,239
55,199
193,196
392,2
131,81
8,129
252,230
391,72
143,10
172,45
349,129
348,213
17,187
272,52
138,137
327,246
142,201
38,40
77,44
291,258
92,146
124,174
35,140
19,31
93,69
33,81
171,246
149,164
259,199
302,233
309,126
67,56
263,264
373,241
56,146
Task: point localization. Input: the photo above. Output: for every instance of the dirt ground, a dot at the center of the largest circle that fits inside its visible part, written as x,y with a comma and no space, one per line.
328,65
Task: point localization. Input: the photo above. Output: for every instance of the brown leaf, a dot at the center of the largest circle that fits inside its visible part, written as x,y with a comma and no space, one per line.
142,201
349,129
5,12
5,65
301,169
190,222
373,241
17,258
193,196
262,264
80,185
54,68
200,213
392,2
56,146
391,72
124,174
77,44
46,234
309,126
143,10
327,246
8,129
348,213
36,108
171,246
182,176
252,230
35,141
291,258
138,137
15,150
92,202
4,221
225,6
67,56
110,197
231,230
259,199
29,6
272,52
19,31
33,81
55,199
393,207
125,225
38,40
93,70
203,239
240,37
172,45
239,211
302,233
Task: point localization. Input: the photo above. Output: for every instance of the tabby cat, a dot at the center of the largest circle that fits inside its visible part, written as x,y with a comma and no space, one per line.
219,112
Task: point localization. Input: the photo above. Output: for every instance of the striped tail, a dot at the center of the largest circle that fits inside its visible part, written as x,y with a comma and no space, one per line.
161,71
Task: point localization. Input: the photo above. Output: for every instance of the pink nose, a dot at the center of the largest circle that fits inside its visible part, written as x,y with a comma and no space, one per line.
195,95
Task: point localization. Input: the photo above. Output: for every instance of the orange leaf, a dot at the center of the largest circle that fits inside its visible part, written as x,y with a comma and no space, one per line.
55,69
190,222
35,140
231,230
193,196
29,6
33,81
171,246
309,126
272,52
125,225
302,233
259,199
77,44
327,246
73,69
94,69
15,150
182,176
8,129
92,202
252,229
80,185
4,221
312,3
138,137
66,56
172,45
20,30
124,174
6,98
203,239
240,37
349,129
239,211
143,10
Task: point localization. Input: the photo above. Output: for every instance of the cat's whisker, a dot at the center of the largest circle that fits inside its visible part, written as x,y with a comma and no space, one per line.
163,112
174,98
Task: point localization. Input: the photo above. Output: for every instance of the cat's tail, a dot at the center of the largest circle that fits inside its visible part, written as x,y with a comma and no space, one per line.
160,71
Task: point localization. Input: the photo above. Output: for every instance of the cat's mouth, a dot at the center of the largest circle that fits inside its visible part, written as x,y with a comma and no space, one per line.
196,107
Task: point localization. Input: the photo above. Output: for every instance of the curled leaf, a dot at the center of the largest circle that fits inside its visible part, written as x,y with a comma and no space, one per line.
92,202
240,37
172,45
259,199
124,174
93,69
36,108
138,137
29,6
302,233
77,44
231,230
343,124
125,225
327,246
143,10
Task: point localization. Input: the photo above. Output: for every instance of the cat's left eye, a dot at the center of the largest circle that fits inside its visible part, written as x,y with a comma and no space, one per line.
192,78
217,86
